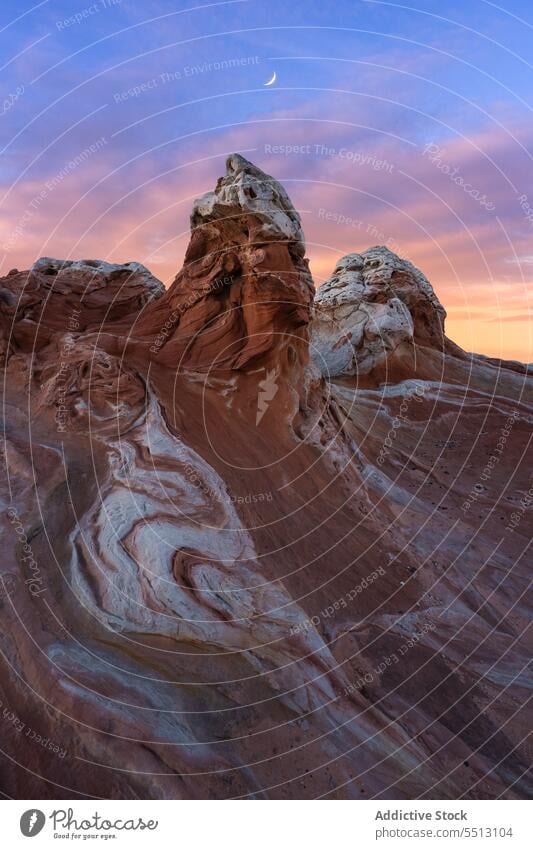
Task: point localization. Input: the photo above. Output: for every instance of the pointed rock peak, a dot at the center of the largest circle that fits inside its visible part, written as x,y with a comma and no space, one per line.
244,295
245,189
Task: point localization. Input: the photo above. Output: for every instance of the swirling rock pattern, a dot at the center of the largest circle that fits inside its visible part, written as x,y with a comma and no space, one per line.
234,570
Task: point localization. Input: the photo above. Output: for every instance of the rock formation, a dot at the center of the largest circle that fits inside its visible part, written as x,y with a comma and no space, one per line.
232,569
374,306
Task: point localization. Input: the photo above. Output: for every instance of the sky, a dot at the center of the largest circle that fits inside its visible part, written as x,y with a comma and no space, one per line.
404,124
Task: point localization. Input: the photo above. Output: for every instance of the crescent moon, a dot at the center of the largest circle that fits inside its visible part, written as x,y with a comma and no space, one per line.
272,81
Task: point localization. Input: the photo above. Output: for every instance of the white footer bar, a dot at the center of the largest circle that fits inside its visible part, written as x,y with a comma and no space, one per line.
268,824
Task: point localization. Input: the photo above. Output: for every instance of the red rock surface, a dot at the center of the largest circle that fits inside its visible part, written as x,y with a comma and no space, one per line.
225,574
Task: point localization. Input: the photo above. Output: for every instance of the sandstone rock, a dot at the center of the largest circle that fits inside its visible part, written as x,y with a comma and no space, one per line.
225,576
65,296
85,276
245,188
245,287
373,303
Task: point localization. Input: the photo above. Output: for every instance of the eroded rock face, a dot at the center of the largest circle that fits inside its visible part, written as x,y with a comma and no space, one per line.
86,276
373,303
65,296
246,188
226,576
245,289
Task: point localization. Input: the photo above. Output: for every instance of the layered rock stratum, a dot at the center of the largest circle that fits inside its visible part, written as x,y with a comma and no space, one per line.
259,543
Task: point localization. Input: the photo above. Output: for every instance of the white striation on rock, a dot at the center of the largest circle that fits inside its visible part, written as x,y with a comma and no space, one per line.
245,188
373,302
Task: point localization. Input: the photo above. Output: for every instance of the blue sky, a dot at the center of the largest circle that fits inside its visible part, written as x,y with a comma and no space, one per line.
424,112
